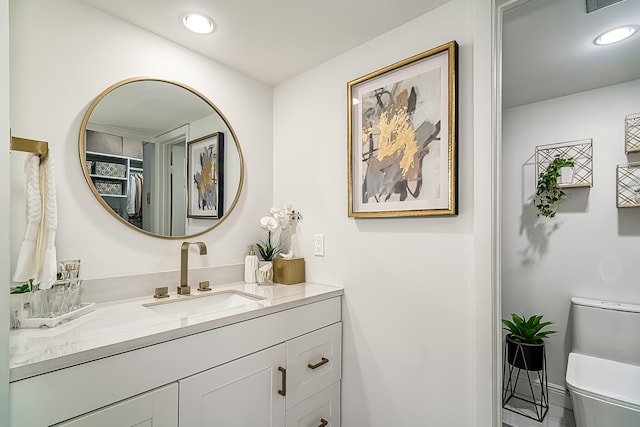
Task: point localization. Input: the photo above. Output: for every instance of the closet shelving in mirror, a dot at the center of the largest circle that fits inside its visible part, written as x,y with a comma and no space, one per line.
581,151
628,185
110,173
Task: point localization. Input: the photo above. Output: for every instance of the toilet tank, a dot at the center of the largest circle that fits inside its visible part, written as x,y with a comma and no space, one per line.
609,330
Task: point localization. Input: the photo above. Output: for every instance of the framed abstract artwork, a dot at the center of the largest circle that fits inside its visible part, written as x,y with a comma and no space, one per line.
205,172
403,138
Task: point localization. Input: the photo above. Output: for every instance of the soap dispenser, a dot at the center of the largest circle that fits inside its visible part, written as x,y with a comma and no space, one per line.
250,266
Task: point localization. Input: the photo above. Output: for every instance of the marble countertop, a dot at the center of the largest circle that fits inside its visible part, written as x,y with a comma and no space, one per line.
119,326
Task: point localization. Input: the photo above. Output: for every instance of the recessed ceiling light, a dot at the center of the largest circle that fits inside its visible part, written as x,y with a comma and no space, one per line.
198,23
616,35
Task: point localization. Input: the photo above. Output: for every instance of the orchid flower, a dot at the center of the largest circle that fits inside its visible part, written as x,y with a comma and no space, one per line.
279,219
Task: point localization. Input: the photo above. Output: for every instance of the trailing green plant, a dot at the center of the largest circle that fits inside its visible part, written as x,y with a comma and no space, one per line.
548,193
527,330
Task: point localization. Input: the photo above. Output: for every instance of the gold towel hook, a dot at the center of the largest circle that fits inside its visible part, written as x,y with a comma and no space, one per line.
30,146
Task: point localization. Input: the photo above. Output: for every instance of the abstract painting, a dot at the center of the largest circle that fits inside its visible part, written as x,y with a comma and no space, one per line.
403,138
205,176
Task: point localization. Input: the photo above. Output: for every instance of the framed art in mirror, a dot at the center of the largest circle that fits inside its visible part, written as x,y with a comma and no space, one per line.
403,139
205,169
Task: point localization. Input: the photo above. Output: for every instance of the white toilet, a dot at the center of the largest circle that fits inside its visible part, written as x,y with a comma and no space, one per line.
603,370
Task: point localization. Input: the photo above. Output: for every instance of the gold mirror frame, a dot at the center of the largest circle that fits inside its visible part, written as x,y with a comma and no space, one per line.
82,155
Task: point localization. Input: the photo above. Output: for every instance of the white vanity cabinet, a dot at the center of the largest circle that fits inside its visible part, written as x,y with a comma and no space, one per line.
278,368
297,381
240,393
158,408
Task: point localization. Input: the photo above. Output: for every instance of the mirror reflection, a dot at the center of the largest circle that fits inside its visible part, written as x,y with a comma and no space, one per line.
161,157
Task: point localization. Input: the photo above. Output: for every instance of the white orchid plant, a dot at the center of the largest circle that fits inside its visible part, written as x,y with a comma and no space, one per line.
278,220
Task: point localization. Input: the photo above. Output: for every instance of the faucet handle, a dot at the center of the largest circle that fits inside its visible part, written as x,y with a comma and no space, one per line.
162,292
204,286
184,290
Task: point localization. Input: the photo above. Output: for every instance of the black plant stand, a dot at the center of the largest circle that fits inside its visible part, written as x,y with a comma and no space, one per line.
514,363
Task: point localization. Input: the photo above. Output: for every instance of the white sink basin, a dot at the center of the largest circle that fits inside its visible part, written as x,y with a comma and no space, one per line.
202,304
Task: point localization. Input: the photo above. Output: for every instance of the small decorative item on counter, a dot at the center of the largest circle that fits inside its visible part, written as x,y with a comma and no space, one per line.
22,289
267,248
19,304
69,269
288,271
264,273
250,266
280,219
33,307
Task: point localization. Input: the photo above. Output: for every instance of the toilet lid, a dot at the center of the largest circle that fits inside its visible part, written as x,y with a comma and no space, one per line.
604,379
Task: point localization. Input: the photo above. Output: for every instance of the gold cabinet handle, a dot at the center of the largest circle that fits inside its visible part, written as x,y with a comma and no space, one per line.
324,361
323,422
283,392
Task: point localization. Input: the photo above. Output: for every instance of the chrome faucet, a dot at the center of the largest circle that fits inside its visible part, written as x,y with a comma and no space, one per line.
184,288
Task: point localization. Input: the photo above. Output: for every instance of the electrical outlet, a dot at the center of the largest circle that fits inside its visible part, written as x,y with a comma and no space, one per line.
318,245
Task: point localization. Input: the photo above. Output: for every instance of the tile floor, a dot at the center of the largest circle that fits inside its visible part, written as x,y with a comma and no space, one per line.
556,417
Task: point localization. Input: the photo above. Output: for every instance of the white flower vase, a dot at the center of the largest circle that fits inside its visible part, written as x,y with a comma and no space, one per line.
264,273
294,246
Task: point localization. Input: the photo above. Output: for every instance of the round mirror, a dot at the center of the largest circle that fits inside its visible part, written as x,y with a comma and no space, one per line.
161,157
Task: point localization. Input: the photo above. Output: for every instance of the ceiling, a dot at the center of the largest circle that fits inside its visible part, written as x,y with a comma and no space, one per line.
547,44
548,49
271,40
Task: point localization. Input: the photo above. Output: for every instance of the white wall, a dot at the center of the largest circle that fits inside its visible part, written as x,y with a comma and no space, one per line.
590,248
65,53
4,211
408,281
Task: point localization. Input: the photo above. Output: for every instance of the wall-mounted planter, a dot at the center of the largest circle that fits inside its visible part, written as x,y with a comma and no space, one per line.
628,185
581,151
632,133
560,166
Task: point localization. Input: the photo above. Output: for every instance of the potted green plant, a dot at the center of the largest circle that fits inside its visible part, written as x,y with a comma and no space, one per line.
525,341
548,192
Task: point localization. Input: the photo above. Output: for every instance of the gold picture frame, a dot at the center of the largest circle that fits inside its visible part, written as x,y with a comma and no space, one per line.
402,150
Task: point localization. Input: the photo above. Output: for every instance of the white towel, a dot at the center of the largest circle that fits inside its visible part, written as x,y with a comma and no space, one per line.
37,257
49,225
27,266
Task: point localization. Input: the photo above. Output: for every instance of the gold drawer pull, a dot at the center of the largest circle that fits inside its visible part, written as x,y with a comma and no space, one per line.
283,392
323,422
324,361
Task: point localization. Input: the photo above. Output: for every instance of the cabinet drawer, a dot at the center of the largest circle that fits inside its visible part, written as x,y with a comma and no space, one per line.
313,362
320,410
